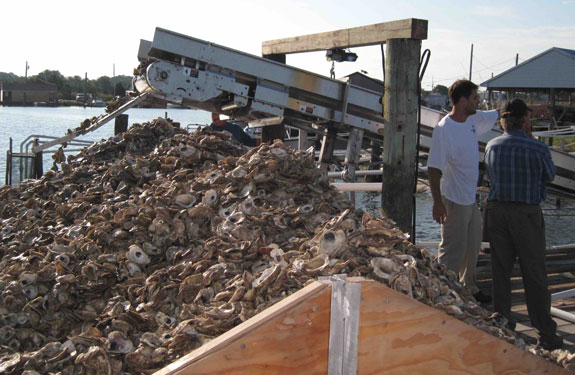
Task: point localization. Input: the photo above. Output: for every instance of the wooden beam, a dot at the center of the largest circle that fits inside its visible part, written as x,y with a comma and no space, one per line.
379,33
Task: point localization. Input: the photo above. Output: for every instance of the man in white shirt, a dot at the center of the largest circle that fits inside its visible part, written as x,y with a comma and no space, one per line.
453,172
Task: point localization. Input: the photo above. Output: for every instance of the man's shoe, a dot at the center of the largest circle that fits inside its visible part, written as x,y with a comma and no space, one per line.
482,297
550,342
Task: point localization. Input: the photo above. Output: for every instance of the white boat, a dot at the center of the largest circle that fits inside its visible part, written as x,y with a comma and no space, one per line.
564,162
98,103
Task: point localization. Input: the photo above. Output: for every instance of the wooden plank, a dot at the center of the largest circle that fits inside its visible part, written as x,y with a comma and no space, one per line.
400,134
411,28
517,282
567,252
484,272
399,335
291,337
551,260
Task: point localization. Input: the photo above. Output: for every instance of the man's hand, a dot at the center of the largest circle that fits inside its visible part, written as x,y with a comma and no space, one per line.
439,212
527,126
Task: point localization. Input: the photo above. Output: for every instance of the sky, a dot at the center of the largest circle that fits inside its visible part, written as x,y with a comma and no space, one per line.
102,37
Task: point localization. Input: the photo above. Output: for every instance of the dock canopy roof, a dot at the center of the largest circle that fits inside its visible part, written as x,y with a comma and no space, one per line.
554,68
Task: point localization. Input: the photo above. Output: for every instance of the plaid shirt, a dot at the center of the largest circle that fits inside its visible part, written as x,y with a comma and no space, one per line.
518,168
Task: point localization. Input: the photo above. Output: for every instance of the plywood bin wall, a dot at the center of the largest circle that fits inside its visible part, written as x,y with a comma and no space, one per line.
396,335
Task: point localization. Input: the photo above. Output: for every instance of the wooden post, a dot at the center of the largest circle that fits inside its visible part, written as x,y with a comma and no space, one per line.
552,118
471,62
352,155
9,163
400,132
302,140
375,161
121,124
38,165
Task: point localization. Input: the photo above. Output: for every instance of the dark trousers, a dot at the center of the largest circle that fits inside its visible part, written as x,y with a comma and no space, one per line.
517,230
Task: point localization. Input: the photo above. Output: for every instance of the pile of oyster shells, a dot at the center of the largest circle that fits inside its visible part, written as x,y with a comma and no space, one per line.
145,246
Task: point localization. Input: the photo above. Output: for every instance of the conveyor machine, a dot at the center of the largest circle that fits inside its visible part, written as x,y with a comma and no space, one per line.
196,73
199,74
208,76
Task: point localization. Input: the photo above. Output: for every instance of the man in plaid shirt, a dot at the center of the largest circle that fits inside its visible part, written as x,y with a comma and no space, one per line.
519,167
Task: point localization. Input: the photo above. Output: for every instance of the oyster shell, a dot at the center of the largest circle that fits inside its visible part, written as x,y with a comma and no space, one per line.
152,242
137,255
332,243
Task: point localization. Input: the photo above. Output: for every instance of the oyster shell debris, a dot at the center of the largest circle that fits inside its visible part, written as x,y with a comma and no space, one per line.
155,241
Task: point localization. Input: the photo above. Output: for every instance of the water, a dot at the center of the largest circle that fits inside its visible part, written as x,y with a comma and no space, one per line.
21,122
559,221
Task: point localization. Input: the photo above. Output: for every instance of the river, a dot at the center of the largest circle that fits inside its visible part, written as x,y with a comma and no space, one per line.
22,122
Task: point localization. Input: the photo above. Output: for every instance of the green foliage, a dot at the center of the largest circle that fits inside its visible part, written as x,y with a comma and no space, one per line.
119,89
68,87
441,89
52,76
11,78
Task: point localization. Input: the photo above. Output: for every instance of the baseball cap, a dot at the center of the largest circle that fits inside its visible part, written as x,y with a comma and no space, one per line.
515,108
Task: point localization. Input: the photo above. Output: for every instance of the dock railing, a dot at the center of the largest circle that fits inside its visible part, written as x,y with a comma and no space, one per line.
27,164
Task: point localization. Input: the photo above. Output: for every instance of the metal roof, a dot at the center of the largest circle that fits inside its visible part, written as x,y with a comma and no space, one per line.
554,68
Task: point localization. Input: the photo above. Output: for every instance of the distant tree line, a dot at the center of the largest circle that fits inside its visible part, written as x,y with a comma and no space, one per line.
441,89
68,87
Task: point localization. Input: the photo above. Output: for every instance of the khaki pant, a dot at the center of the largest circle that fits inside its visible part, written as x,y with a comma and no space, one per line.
461,241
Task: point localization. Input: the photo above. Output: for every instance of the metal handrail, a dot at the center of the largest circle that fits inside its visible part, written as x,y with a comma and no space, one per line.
25,144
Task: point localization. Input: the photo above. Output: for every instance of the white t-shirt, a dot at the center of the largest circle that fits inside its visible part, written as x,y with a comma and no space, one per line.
455,151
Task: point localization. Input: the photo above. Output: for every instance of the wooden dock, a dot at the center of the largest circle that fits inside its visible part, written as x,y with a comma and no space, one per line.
560,263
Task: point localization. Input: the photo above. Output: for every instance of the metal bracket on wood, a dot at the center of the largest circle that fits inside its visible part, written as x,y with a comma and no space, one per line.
344,326
352,154
327,147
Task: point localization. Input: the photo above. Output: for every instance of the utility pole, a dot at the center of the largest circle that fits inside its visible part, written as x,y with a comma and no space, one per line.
26,73
471,62
85,89
113,70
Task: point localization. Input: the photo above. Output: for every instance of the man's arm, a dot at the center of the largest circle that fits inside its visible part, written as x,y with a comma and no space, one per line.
439,211
247,140
487,121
